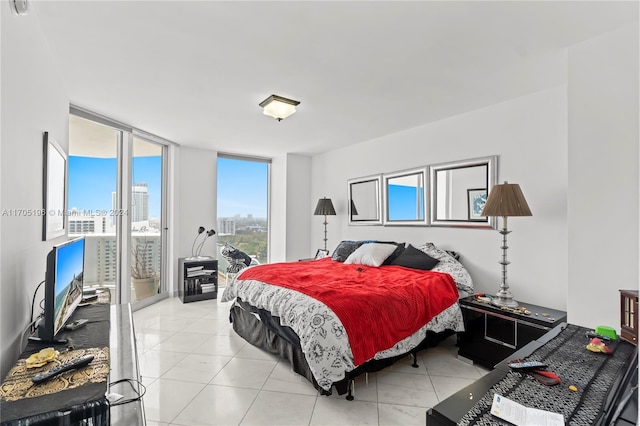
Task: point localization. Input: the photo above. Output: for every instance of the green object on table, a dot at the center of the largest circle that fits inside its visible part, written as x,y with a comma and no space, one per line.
609,332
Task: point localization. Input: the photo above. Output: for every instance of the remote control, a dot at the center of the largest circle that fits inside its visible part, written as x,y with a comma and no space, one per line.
530,365
70,365
76,324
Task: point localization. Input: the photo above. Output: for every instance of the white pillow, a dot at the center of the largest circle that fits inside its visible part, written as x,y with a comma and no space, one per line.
371,254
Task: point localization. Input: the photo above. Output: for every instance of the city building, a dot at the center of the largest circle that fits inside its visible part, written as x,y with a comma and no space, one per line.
226,226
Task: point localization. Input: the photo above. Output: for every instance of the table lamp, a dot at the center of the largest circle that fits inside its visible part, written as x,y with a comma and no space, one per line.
325,207
505,200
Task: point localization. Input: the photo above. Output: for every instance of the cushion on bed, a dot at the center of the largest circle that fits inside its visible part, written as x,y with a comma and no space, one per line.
454,254
393,255
450,266
344,249
397,252
371,254
413,258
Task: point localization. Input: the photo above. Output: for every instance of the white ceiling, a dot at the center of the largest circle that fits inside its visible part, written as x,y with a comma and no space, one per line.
194,72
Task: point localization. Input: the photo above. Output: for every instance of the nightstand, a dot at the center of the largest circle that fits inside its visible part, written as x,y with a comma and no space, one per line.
493,333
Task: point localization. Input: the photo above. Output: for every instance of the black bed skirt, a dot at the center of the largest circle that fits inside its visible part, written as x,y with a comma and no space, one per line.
267,333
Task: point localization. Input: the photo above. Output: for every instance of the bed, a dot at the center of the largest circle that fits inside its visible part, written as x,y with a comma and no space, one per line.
358,311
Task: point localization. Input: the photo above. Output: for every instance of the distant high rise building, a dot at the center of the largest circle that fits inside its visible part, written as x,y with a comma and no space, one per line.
139,202
226,226
82,223
100,260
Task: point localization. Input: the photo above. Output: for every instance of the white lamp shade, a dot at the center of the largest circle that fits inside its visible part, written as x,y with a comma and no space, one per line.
278,107
279,110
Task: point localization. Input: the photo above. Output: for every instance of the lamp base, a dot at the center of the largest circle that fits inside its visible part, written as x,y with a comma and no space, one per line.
504,299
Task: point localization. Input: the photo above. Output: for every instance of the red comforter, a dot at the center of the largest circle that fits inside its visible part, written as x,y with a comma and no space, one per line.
378,307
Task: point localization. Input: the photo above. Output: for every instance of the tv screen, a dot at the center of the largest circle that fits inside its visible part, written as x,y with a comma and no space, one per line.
63,287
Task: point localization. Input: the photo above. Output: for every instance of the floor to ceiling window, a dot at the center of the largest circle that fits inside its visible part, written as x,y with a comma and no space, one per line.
243,206
116,201
146,219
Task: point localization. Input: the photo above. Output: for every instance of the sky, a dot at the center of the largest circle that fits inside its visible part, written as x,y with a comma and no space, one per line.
242,188
242,185
92,180
402,202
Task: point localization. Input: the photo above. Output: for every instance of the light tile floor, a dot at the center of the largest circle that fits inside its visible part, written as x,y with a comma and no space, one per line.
199,372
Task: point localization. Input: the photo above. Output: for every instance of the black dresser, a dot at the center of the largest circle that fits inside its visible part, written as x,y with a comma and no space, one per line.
606,384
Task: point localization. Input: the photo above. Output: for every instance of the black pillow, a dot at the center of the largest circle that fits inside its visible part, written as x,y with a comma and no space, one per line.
413,258
393,256
344,249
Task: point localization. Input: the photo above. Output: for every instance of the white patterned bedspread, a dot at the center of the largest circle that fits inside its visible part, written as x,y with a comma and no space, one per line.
322,335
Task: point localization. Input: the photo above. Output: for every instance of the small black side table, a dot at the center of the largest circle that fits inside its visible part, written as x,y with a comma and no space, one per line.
493,333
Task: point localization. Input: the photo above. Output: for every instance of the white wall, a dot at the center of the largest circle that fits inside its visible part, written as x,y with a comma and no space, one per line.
529,135
298,198
290,215
574,151
278,209
196,202
33,101
603,175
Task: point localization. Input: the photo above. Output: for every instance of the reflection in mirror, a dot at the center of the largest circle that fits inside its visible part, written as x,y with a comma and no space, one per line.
459,190
404,197
364,201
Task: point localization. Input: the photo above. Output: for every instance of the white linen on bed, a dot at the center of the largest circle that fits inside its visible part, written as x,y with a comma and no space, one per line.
322,335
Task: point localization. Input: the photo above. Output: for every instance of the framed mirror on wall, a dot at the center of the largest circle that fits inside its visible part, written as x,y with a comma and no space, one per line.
404,197
458,191
54,184
364,206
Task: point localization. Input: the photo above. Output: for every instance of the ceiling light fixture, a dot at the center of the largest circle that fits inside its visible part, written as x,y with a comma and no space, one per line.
278,107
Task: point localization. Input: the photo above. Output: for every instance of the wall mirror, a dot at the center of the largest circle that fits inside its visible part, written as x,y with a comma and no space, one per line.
458,191
54,182
364,201
404,197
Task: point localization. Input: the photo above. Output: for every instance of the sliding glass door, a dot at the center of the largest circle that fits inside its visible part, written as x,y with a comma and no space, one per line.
146,219
117,202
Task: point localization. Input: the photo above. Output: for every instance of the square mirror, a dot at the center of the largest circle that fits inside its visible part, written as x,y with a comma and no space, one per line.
459,190
404,195
364,201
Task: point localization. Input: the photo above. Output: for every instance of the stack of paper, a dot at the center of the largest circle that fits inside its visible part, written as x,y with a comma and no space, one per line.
520,415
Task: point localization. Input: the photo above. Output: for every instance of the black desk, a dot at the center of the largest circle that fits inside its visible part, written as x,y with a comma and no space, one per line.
475,398
111,329
72,396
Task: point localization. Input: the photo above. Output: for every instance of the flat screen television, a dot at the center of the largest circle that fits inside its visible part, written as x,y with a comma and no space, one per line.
63,288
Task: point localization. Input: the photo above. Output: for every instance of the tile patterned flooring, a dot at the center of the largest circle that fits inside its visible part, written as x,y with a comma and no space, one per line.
199,372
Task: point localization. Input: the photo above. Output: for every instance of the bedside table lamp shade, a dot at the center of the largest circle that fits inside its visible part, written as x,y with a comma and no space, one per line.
325,208
505,200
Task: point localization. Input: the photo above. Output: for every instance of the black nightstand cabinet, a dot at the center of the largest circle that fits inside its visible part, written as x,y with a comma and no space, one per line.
198,279
492,334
